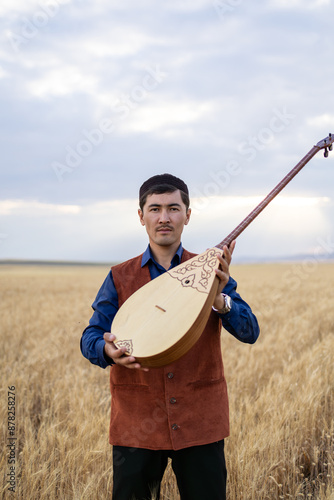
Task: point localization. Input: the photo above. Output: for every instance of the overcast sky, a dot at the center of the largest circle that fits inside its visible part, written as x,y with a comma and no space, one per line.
98,95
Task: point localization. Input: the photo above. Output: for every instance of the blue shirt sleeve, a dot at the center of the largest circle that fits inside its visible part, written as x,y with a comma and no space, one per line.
105,307
240,320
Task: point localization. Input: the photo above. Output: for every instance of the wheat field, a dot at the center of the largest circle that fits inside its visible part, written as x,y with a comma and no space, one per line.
55,404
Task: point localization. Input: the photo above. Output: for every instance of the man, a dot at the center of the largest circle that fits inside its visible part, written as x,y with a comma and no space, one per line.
179,411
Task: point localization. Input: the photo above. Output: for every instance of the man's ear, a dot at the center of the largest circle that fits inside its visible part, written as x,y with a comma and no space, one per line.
141,218
188,216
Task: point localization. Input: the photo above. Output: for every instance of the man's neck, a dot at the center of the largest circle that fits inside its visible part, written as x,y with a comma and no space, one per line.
164,254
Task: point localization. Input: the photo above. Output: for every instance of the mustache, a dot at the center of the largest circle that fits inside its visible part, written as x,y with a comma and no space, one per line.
165,226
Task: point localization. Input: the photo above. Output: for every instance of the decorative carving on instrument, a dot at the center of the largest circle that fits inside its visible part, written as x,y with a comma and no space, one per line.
197,272
125,343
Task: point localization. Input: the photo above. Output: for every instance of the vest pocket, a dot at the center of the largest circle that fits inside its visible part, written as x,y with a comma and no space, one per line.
199,384
130,386
124,377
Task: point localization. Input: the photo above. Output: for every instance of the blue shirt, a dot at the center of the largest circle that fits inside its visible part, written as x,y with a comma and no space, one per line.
239,321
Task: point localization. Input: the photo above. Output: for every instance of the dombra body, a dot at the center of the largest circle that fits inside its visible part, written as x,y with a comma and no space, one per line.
163,319
149,322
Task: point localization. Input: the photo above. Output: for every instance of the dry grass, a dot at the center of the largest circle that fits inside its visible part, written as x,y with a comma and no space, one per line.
281,389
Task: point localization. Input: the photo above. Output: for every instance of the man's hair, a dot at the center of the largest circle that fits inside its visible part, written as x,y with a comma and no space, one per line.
163,183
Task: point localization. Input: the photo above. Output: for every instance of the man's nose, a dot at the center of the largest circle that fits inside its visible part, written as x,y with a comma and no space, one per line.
164,216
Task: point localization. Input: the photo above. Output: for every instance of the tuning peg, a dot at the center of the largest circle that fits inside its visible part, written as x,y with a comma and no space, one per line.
326,153
330,147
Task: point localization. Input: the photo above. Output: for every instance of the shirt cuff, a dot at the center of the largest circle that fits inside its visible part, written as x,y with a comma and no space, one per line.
104,360
234,311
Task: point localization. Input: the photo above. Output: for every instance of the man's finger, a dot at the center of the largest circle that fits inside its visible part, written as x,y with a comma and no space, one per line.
224,261
130,362
118,353
109,337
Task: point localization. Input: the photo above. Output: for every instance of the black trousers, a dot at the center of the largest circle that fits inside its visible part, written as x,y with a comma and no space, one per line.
200,472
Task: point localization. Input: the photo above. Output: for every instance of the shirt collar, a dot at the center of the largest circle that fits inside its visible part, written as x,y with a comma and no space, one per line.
147,256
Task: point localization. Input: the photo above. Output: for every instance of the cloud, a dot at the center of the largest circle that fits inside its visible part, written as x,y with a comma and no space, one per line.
20,7
35,208
3,73
166,119
121,42
69,81
109,230
189,5
321,121
288,226
224,77
299,4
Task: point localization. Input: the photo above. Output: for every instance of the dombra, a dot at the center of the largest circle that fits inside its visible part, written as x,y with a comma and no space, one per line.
162,320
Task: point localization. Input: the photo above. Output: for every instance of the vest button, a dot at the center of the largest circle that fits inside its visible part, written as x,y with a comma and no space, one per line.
170,375
172,400
175,427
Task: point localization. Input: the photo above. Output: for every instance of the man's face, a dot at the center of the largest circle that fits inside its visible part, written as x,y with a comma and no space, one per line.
164,216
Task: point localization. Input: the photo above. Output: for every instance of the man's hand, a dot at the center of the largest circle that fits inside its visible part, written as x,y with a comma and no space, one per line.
118,355
223,273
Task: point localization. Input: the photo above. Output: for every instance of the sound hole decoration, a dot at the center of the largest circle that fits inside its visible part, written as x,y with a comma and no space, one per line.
196,272
125,343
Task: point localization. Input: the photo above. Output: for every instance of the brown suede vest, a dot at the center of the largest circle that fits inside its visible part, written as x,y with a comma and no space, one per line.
180,405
